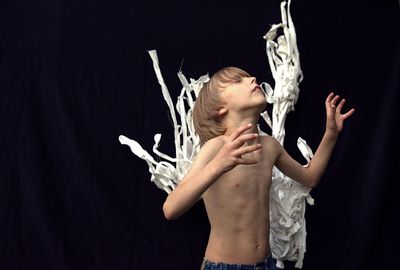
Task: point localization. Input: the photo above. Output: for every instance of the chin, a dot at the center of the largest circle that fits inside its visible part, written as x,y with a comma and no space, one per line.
256,106
262,106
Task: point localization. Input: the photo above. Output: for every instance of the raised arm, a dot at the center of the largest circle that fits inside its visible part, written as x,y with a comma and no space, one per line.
214,158
311,175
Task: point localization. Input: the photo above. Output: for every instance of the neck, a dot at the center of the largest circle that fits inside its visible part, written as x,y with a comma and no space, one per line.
234,121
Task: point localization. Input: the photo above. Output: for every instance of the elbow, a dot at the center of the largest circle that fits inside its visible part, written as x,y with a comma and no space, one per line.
312,183
168,213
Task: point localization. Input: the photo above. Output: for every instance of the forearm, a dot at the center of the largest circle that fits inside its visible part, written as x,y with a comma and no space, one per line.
187,193
321,157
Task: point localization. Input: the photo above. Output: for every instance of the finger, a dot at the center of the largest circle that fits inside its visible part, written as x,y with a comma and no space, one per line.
238,142
239,131
340,106
247,149
329,98
334,100
246,161
347,115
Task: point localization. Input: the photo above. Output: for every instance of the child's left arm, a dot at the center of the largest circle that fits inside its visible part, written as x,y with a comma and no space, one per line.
311,175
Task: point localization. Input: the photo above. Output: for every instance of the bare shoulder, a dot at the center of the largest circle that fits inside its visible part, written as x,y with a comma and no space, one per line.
206,153
271,145
216,140
211,147
268,140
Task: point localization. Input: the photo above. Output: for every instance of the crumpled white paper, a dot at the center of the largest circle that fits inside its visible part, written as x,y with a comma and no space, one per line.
287,197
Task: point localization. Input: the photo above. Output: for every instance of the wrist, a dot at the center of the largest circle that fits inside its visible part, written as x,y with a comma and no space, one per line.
331,134
215,168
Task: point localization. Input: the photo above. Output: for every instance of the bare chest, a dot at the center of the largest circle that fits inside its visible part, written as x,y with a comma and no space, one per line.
244,183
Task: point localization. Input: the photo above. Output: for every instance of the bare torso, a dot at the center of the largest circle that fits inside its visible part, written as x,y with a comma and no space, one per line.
237,206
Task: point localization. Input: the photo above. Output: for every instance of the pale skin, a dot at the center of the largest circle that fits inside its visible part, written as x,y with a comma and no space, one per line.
232,173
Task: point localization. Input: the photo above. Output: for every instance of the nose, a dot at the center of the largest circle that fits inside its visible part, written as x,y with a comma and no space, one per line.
253,80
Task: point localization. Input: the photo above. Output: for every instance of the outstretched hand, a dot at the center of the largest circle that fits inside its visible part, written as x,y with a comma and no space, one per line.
334,118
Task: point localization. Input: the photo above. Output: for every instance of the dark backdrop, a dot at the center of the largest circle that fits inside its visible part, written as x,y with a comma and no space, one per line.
74,75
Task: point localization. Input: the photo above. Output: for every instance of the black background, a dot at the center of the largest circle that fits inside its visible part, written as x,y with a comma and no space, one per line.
74,75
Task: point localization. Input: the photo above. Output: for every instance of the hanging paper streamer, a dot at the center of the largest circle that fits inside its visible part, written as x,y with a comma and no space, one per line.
287,197
187,143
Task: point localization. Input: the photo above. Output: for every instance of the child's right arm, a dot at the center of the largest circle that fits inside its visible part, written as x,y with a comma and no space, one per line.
214,158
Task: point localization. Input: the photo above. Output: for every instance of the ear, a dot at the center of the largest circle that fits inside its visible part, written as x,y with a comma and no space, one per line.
222,111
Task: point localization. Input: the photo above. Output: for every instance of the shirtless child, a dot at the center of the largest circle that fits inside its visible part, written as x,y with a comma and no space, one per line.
232,171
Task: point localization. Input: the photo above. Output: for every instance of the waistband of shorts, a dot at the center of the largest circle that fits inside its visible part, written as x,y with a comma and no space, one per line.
266,261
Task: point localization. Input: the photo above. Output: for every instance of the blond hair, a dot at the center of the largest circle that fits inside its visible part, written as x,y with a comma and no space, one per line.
206,119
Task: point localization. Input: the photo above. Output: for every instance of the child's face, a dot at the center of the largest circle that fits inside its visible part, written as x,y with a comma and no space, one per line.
243,94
